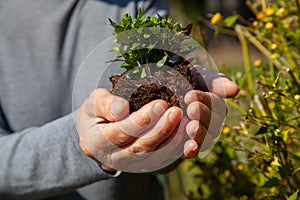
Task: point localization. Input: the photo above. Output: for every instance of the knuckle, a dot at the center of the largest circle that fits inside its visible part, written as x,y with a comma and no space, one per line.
142,119
116,136
164,132
140,149
122,138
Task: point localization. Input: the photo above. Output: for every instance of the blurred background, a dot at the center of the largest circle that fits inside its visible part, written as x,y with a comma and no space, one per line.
224,49
258,153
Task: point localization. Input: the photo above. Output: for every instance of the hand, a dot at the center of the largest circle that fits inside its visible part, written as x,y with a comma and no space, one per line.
129,142
209,107
206,112
153,134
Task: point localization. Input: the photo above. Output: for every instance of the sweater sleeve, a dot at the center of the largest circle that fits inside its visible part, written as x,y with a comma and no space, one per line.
44,160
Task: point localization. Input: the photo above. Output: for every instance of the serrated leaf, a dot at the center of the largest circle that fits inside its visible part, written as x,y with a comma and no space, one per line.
134,48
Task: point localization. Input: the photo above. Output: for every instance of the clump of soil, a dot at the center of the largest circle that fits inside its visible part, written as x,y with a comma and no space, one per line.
167,83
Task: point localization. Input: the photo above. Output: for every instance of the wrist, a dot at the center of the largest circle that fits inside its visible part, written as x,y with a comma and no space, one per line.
105,168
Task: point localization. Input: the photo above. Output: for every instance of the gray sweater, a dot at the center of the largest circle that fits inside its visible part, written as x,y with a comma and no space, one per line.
42,44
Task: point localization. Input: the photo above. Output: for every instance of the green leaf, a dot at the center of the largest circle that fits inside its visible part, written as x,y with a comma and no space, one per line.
136,70
141,12
147,36
296,170
125,65
229,21
115,49
294,196
162,61
143,73
150,47
139,47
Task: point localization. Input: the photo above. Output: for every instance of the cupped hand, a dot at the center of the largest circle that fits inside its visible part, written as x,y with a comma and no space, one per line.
206,112
155,135
129,142
206,108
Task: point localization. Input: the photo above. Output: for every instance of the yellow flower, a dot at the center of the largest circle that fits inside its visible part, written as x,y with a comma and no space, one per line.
274,56
280,12
216,18
269,11
276,132
275,162
273,46
271,105
297,97
285,135
255,23
240,167
269,25
270,169
226,130
260,15
258,63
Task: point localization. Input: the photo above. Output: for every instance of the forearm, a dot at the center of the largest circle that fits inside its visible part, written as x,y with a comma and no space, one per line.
45,160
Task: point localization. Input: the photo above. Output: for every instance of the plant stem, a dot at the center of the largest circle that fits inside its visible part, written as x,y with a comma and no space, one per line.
263,5
246,55
234,105
264,51
284,166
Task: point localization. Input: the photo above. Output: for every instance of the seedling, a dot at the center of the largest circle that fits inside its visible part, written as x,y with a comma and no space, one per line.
146,46
152,39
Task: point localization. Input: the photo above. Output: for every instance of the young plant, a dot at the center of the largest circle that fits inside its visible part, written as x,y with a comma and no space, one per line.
149,39
153,51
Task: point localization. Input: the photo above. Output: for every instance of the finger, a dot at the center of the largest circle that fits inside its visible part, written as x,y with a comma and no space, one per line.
191,149
199,111
212,121
173,148
103,104
170,150
162,130
217,83
123,132
196,131
211,100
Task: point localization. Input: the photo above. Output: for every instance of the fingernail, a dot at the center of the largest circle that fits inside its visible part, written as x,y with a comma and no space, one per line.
158,108
192,146
174,116
194,125
194,108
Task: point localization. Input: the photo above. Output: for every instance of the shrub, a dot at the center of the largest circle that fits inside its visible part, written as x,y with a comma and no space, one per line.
259,157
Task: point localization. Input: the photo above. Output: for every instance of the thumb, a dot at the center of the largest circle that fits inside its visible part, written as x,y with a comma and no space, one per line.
216,83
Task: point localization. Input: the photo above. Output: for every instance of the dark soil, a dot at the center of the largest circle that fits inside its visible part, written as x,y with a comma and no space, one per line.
169,84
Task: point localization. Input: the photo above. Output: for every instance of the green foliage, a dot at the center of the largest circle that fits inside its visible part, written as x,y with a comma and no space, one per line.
149,39
259,156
